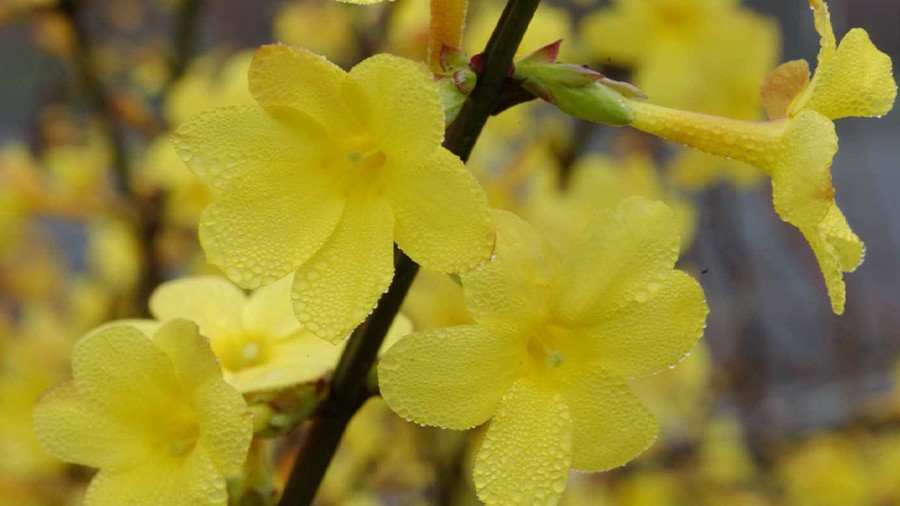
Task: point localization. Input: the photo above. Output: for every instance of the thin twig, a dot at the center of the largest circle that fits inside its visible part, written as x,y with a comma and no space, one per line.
348,390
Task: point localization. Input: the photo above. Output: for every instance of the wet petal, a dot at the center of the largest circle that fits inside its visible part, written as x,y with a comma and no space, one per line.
622,254
269,310
782,86
120,372
510,290
441,214
190,353
610,425
161,480
857,81
212,302
337,288
226,425
282,75
801,180
230,142
264,227
527,451
452,377
396,100
837,250
70,429
647,336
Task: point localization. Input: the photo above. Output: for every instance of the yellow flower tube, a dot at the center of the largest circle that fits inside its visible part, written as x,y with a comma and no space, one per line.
448,17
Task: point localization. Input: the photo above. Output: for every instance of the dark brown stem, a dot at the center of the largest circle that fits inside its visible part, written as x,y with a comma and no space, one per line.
185,39
349,388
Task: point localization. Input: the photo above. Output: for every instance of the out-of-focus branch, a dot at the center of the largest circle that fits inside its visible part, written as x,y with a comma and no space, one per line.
185,39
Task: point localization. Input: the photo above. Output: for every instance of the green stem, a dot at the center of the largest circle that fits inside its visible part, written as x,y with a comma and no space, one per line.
498,57
348,390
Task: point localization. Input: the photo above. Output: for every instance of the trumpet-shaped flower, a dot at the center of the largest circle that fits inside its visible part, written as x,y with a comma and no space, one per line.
152,413
796,148
552,342
257,339
324,174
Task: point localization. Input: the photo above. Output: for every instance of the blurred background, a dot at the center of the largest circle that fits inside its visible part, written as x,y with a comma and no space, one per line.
782,403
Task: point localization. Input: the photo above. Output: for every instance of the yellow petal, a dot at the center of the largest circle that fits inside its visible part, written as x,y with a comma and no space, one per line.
212,302
782,86
837,250
282,75
621,35
646,336
263,227
441,214
121,373
848,248
822,22
337,288
801,180
269,312
397,102
610,425
72,430
527,451
226,425
224,144
194,361
620,257
161,479
510,291
452,377
857,81
299,359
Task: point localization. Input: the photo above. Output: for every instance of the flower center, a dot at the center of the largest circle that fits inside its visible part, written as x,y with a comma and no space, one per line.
181,432
553,348
243,351
363,153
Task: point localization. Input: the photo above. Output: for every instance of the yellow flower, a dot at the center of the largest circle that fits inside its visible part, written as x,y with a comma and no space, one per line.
718,50
207,85
598,182
796,150
325,174
549,24
257,339
552,341
322,27
152,413
695,170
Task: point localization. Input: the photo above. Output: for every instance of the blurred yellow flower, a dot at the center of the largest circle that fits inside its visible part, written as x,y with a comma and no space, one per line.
207,85
718,50
256,338
797,148
323,27
552,342
152,413
826,470
597,182
325,174
548,25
